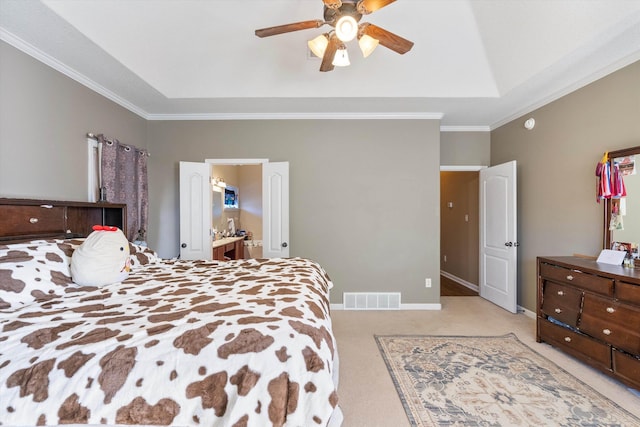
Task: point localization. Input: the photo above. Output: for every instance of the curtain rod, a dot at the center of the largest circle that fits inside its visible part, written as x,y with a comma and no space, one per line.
91,135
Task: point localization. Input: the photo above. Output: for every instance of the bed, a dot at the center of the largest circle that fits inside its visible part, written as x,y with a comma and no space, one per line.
183,343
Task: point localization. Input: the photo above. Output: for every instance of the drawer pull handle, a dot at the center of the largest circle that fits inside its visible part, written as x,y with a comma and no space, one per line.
561,293
606,331
611,310
569,277
33,220
567,339
557,310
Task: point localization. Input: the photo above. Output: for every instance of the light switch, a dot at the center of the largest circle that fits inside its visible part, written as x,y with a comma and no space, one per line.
450,205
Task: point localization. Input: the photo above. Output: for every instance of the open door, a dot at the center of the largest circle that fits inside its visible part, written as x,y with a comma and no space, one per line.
275,210
195,211
498,236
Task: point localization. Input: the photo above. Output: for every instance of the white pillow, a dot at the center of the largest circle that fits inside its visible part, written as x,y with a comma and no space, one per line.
103,258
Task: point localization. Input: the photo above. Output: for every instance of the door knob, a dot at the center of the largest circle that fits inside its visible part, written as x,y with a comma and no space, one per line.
284,245
508,244
184,245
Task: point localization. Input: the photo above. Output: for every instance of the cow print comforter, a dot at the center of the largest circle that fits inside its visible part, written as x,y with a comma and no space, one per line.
184,343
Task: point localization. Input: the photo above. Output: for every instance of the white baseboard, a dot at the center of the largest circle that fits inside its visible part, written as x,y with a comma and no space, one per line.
463,282
526,312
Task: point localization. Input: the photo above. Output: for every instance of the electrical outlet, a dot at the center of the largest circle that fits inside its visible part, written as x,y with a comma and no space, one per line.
427,283
445,258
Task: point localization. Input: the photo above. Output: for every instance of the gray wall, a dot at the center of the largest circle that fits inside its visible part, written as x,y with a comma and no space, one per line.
557,209
465,148
363,202
44,119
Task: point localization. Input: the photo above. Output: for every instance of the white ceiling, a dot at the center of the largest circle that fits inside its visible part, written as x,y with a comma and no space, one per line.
475,63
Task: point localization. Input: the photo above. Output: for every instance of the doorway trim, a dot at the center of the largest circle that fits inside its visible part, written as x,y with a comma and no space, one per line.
460,168
238,162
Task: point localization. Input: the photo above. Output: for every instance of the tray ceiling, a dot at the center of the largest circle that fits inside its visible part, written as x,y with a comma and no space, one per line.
476,64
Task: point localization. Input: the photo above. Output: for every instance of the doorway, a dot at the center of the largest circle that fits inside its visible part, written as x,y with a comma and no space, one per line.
274,191
246,214
459,231
196,210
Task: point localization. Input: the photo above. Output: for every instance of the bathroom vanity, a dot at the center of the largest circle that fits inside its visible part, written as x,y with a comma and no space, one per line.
228,248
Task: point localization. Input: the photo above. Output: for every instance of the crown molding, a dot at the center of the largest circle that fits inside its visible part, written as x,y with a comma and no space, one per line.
300,116
46,59
465,129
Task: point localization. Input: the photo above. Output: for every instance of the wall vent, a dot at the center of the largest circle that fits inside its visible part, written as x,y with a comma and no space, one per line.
371,300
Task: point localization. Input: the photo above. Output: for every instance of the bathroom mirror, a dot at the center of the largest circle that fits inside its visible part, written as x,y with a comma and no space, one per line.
631,220
217,203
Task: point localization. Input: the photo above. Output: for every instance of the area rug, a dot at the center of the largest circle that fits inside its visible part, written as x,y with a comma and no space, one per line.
490,381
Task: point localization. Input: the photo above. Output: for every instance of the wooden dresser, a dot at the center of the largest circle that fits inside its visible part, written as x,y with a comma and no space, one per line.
592,312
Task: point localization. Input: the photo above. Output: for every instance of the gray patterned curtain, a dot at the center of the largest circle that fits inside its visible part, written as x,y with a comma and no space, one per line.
124,180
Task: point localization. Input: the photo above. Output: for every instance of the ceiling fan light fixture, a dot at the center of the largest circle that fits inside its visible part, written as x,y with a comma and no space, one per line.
346,28
341,58
318,45
367,44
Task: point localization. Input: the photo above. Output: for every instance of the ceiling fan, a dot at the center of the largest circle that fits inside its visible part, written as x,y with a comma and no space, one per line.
344,16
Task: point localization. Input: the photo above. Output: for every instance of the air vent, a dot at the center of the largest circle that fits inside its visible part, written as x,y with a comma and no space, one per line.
371,300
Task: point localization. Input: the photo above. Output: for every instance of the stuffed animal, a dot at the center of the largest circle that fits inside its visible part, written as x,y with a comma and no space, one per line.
103,258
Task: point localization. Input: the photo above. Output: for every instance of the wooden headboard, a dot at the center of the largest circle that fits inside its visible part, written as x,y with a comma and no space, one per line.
27,219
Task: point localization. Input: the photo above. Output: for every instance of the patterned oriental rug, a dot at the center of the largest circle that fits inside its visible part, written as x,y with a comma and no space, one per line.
490,381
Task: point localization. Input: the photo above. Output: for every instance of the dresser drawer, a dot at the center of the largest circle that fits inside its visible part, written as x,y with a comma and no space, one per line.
627,367
628,292
561,302
576,344
599,284
610,321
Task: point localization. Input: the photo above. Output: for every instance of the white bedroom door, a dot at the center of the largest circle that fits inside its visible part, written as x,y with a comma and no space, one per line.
275,210
195,211
498,236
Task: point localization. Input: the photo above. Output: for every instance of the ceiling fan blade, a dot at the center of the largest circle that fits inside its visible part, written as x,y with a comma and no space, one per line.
332,4
369,6
387,38
329,53
287,28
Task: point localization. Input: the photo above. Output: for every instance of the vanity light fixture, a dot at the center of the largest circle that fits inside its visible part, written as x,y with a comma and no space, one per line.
218,182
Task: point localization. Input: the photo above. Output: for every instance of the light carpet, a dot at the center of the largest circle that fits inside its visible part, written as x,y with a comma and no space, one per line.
490,381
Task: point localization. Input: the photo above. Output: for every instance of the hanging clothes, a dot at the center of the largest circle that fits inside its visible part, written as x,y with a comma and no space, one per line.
618,189
609,180
603,178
